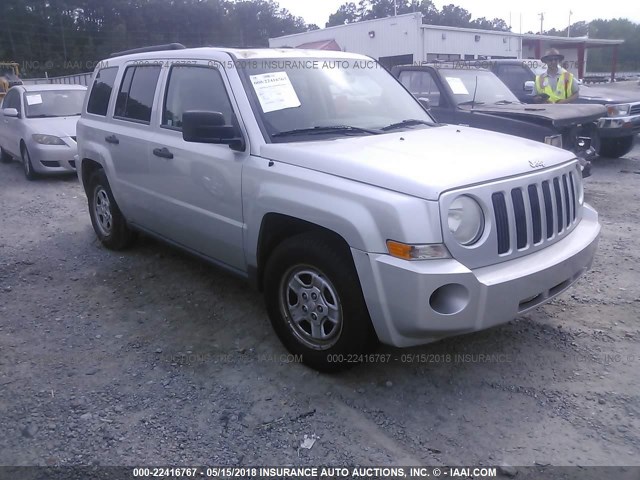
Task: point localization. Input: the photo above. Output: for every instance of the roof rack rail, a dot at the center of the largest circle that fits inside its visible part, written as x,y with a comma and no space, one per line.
153,48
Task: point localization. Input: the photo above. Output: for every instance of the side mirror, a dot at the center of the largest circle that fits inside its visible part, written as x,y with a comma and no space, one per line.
529,85
210,127
425,102
11,112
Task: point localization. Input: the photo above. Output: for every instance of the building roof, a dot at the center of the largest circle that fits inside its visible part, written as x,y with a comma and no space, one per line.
569,41
526,37
346,25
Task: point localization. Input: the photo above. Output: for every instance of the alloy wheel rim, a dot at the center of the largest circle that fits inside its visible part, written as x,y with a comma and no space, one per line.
311,307
102,211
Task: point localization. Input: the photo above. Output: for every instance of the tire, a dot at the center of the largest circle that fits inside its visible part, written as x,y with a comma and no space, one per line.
27,166
326,277
615,147
108,222
4,156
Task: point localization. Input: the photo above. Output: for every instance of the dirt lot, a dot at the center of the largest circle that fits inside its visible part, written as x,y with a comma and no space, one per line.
150,357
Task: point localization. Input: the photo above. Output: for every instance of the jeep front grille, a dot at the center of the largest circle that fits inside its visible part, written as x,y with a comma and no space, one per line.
523,214
635,109
549,206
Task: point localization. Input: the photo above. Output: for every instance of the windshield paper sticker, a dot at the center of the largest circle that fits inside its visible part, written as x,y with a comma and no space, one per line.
457,86
34,99
274,91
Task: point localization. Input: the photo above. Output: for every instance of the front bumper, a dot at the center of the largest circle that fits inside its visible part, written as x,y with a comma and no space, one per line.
615,127
409,306
53,158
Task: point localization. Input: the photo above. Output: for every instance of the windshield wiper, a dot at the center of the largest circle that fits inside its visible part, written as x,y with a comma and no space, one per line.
406,123
345,129
42,115
471,102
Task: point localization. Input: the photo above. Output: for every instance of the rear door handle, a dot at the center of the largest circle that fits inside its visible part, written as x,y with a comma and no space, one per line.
112,139
162,152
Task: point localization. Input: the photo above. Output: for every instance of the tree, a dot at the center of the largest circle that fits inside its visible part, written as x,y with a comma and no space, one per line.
454,16
346,13
62,37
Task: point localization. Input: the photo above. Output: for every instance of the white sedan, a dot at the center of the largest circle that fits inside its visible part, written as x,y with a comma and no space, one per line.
38,127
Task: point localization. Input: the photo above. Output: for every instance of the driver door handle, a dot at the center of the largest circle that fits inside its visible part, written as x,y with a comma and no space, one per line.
163,152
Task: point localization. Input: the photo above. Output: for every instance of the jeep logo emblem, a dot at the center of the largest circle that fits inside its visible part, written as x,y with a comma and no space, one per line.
536,163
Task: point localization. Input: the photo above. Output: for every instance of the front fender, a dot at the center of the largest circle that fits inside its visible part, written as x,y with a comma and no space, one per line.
365,216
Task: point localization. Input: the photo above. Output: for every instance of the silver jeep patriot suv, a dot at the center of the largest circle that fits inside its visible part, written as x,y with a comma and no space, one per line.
320,179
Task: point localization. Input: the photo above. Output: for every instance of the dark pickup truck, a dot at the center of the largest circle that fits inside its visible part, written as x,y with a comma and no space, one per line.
617,127
477,98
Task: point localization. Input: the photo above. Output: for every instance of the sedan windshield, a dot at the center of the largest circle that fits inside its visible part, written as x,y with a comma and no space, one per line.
490,89
311,99
53,103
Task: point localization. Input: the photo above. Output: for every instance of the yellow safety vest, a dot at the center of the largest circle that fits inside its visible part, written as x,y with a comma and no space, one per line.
563,87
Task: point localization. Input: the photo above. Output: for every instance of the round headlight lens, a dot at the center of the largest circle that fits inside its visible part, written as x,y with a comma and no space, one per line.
465,219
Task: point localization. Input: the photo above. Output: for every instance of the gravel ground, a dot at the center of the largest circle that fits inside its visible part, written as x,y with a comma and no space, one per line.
151,357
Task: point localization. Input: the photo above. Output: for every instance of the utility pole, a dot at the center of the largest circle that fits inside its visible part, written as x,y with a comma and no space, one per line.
569,28
541,15
395,8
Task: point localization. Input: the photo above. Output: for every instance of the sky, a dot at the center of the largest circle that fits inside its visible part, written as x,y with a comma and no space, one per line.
556,13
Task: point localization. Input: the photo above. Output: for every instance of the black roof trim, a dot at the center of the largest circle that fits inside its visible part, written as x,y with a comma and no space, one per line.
153,48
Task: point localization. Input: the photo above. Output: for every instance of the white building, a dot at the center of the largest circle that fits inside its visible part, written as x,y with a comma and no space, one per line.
404,39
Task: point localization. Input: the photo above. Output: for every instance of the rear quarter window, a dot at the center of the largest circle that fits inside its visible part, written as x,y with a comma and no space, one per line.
101,91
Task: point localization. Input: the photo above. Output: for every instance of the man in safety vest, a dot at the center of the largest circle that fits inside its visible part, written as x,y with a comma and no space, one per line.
557,85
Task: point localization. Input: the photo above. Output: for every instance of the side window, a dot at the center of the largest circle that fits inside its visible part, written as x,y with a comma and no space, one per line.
135,98
514,76
101,91
194,88
421,84
12,100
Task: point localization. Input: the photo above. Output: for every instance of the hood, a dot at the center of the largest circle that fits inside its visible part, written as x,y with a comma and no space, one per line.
422,162
58,126
602,94
561,115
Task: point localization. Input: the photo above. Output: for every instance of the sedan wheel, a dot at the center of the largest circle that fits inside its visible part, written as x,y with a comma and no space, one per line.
27,165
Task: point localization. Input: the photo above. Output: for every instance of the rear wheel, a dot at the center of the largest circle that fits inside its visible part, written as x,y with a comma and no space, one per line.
615,147
107,220
315,302
29,173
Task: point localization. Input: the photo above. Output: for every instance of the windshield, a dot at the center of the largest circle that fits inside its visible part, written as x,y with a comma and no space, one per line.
490,88
293,96
53,103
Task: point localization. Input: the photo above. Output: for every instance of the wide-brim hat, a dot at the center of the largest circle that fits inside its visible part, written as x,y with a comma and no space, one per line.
552,54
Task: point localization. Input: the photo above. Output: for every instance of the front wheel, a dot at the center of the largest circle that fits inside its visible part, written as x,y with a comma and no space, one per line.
29,173
615,147
107,219
315,302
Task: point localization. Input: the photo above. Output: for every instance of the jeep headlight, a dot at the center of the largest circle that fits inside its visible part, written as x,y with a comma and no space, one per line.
618,110
554,140
465,220
47,139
